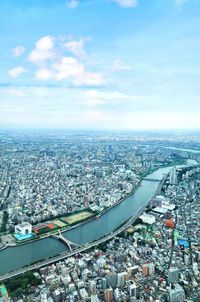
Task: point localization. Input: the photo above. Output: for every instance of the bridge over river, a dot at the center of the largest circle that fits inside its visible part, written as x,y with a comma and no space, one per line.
65,240
37,253
152,179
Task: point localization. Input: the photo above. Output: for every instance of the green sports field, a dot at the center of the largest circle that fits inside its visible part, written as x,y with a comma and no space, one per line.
72,219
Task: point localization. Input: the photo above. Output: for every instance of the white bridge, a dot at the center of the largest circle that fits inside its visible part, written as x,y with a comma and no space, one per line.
65,240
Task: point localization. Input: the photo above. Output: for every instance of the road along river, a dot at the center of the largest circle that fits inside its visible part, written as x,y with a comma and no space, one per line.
14,258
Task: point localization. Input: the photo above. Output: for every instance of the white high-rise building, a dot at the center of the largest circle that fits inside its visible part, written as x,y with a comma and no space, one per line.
94,298
133,290
23,228
176,294
121,279
92,286
173,176
117,294
151,268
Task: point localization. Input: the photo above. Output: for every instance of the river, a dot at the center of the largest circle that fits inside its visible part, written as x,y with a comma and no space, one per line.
184,150
13,258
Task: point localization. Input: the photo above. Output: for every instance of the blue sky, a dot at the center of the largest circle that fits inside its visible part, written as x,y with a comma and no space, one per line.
100,64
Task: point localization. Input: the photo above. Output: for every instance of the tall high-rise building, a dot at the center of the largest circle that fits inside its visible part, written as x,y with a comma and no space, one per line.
173,176
121,279
151,267
104,283
176,294
112,280
145,269
92,286
94,298
108,295
133,290
117,294
173,275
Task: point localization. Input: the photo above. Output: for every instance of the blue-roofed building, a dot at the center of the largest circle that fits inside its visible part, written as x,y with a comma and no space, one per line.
23,231
183,242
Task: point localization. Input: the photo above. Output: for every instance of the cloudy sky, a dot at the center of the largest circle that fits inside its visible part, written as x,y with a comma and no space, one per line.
100,64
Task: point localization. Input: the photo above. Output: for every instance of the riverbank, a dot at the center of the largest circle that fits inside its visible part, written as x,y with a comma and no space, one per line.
84,234
97,241
78,223
74,225
98,216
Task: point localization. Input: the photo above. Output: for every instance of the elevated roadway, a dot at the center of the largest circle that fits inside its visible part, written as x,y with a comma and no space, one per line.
75,251
84,247
65,240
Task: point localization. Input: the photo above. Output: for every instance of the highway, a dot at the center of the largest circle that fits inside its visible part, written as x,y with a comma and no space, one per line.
85,246
73,252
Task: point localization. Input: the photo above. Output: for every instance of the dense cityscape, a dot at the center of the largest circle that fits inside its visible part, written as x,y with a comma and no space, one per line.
99,151
54,182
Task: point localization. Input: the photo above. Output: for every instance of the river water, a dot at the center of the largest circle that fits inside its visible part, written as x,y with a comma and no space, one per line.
183,149
13,258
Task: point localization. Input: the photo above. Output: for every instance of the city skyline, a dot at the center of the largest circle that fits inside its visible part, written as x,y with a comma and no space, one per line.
118,64
92,217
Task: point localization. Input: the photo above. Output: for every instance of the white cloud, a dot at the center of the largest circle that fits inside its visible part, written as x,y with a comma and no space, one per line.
45,43
70,68
89,78
106,95
17,71
43,50
94,102
119,65
76,47
127,3
94,97
18,51
63,67
72,4
43,74
180,2
92,117
16,92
